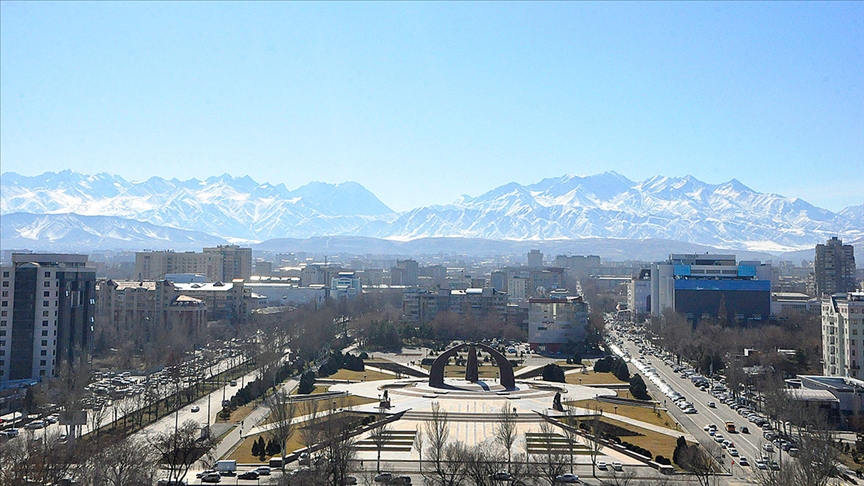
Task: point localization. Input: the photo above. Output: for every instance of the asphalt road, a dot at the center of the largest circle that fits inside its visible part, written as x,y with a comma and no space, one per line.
748,445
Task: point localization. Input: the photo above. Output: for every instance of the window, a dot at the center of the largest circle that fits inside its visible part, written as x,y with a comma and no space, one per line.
5,274
3,313
43,353
2,323
44,323
44,313
41,372
5,303
2,352
45,303
44,342
2,332
44,332
2,342
47,284
47,293
47,274
5,293
5,283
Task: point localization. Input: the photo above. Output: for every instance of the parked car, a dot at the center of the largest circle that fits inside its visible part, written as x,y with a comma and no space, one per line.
617,466
248,475
500,476
567,478
204,473
263,470
601,465
349,481
383,477
400,480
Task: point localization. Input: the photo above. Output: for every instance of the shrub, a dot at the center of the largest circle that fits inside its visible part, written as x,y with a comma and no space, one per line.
307,383
553,372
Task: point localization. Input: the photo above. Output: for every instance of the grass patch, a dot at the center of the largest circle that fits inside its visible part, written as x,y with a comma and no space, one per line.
359,375
643,414
657,443
592,378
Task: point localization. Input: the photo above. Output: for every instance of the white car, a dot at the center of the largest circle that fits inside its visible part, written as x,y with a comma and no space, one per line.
567,478
195,408
601,465
617,466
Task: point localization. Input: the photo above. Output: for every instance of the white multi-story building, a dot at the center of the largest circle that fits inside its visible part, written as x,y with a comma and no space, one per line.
842,334
555,321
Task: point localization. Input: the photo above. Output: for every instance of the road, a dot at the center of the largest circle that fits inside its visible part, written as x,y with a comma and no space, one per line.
748,445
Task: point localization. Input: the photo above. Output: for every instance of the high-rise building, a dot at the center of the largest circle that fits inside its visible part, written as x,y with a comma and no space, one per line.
535,260
842,334
236,262
834,268
47,314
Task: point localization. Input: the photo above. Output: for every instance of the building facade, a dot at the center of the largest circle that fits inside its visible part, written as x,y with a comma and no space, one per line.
842,334
706,286
555,321
235,262
834,268
47,314
127,306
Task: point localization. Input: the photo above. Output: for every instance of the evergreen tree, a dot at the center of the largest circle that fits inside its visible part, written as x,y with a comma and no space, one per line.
638,388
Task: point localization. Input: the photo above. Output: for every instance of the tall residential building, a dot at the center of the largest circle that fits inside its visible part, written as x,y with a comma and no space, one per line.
47,314
842,334
236,262
405,272
834,268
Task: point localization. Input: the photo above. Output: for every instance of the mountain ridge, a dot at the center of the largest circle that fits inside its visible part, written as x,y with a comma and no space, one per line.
569,207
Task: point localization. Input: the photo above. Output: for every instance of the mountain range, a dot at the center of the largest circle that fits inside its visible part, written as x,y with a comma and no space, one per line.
68,209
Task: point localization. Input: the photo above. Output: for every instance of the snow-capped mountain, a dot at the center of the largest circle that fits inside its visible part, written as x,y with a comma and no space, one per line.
225,206
72,232
608,205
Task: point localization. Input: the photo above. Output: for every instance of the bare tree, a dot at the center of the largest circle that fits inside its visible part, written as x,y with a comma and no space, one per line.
447,459
39,457
310,433
282,412
505,430
380,436
339,445
700,462
418,444
621,478
95,418
180,448
549,463
481,463
596,445
128,462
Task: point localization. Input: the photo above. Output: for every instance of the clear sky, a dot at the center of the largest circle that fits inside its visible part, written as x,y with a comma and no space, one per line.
421,102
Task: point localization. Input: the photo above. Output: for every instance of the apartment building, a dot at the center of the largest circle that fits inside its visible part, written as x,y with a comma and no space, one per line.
47,314
834,268
842,334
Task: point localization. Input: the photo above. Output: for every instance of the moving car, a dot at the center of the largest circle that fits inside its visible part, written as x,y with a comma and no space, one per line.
195,408
500,476
383,477
213,477
248,475
263,470
617,466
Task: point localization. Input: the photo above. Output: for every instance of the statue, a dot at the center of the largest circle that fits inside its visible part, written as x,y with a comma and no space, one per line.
556,403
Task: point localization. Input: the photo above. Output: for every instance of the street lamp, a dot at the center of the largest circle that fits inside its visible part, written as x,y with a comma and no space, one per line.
616,409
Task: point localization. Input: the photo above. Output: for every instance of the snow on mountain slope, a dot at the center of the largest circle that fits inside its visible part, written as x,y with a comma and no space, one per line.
728,215
75,232
224,205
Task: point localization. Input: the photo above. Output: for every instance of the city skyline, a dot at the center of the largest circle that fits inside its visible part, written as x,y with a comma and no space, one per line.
421,103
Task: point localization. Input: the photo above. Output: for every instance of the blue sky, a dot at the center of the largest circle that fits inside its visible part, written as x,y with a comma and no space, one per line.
422,102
